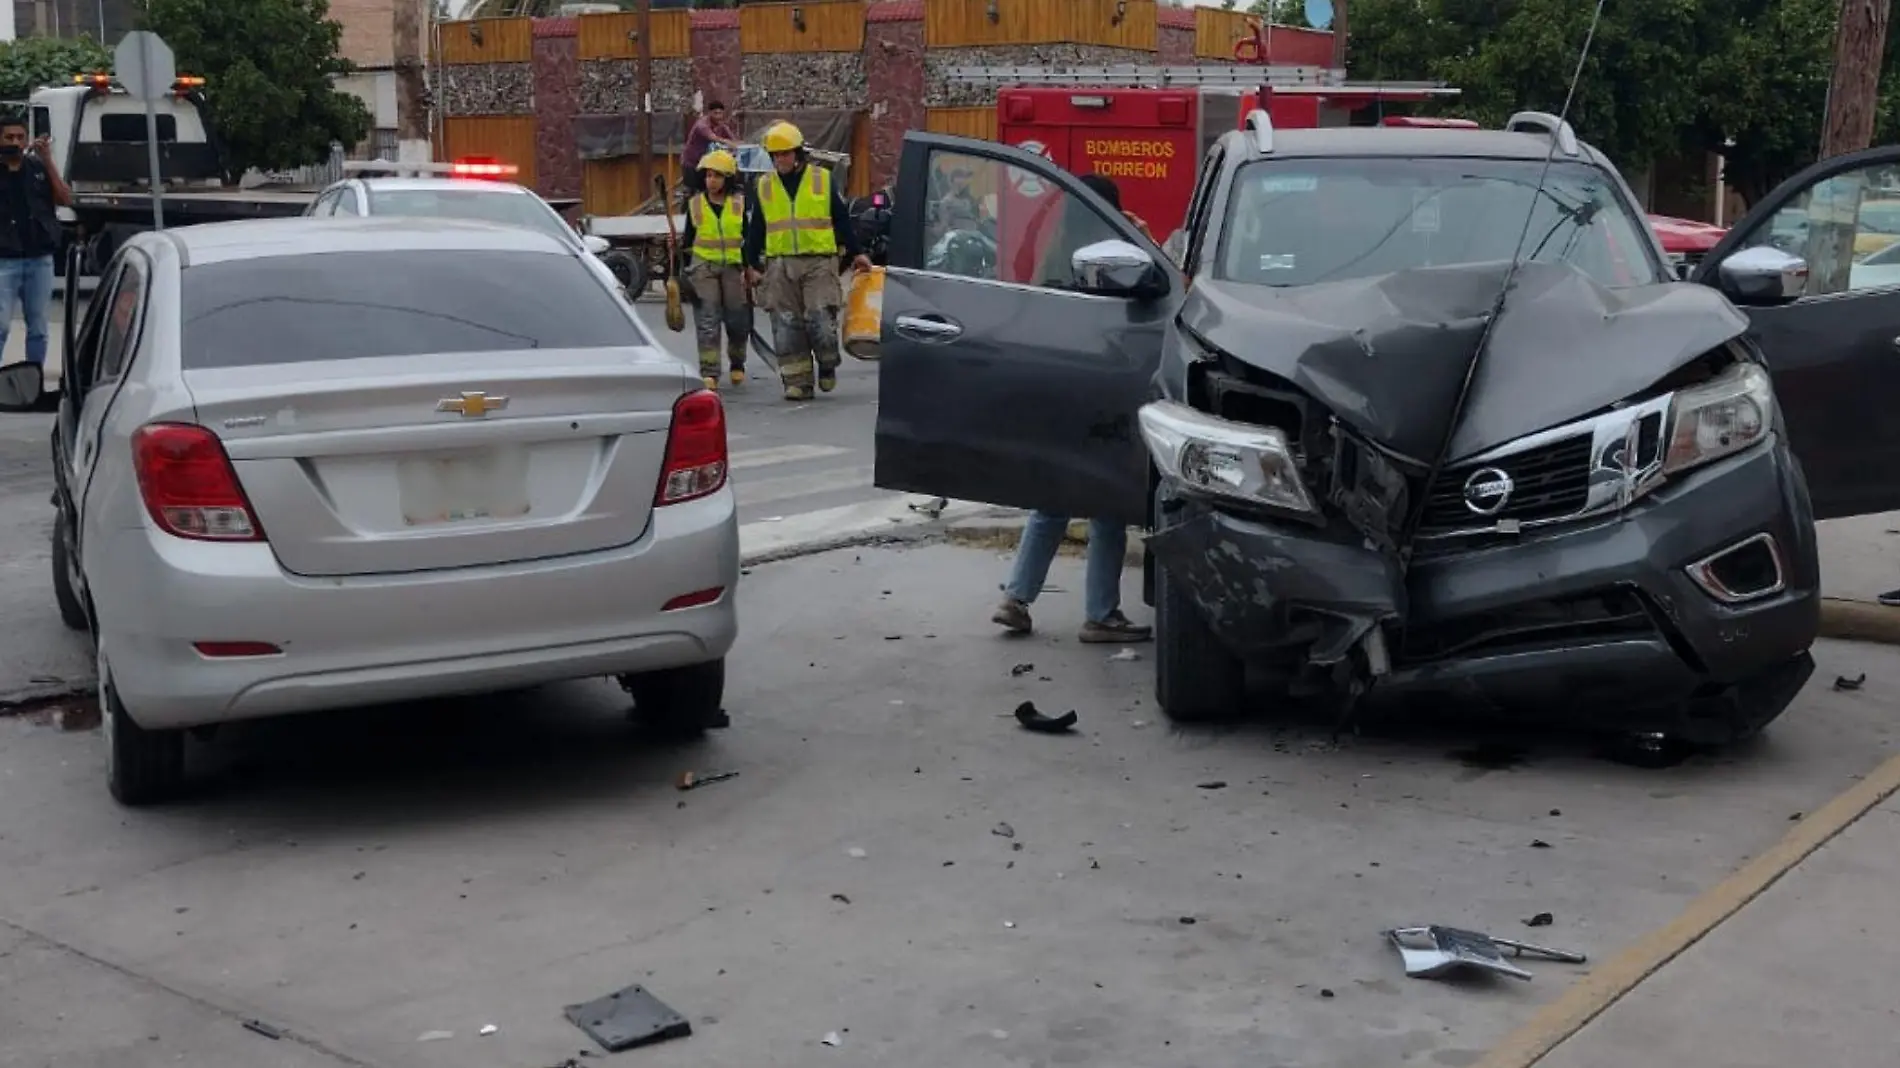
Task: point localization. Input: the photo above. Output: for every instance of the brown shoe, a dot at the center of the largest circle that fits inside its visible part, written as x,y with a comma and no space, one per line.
1013,616
1115,629
797,393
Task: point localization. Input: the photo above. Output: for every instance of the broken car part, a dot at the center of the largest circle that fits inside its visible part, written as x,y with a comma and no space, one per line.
1431,952
1033,720
693,780
626,1019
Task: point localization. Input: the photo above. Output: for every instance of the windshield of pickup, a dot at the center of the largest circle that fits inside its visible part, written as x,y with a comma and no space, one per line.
1300,222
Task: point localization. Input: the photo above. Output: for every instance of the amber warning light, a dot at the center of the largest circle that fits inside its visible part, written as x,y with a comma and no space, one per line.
482,167
102,82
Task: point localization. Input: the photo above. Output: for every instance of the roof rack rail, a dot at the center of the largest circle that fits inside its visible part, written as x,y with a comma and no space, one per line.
1260,125
1549,125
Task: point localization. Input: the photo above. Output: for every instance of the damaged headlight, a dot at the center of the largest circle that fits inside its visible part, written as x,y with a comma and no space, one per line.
1228,459
1720,417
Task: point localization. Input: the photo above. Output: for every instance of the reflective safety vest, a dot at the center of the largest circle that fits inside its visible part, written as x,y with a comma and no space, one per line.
798,226
719,239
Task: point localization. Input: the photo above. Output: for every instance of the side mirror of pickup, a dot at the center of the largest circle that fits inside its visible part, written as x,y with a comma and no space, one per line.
1114,268
22,388
1763,275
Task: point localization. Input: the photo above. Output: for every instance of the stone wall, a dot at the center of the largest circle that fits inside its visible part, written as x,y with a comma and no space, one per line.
612,86
557,167
940,92
488,89
792,81
894,62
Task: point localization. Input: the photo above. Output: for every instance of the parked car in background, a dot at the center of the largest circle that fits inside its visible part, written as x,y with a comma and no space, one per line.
1685,241
306,464
478,189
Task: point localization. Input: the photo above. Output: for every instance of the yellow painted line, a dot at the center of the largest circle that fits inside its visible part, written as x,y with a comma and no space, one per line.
1590,996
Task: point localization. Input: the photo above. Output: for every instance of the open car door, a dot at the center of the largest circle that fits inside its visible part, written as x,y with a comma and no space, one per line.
1832,342
1012,366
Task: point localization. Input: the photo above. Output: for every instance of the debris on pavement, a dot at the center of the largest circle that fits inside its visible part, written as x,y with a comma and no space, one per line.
1325,992
1003,830
931,508
841,899
1539,843
1020,670
627,1019
1432,952
1542,919
488,1029
259,1027
832,1038
1212,784
435,1036
1126,655
1034,720
1842,682
693,780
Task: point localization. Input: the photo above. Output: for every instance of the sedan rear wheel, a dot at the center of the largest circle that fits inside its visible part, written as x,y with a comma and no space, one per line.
680,703
143,767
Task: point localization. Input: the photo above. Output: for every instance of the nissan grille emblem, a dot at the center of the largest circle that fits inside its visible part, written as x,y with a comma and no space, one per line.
1487,491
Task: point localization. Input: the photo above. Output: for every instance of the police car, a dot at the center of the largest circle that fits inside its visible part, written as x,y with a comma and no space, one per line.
478,189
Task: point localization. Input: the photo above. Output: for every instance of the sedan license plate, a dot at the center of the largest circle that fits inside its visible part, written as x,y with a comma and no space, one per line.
463,487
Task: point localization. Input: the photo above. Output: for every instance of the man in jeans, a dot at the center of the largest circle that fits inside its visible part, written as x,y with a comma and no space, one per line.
30,187
1103,621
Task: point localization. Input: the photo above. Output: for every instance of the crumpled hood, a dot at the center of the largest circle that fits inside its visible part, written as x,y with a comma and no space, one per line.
1387,354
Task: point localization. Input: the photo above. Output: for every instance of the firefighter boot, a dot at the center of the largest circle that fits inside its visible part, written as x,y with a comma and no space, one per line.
822,328
709,367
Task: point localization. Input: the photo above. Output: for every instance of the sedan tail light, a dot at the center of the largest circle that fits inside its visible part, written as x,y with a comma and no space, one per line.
695,449
189,485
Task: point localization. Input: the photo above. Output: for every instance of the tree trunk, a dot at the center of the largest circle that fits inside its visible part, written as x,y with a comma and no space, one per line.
412,86
1853,93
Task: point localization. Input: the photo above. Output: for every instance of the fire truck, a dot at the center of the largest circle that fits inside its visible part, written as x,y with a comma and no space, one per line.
1148,127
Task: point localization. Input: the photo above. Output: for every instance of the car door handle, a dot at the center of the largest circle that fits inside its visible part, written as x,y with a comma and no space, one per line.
927,328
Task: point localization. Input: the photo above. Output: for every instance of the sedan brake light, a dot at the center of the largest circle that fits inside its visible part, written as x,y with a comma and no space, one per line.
189,486
695,449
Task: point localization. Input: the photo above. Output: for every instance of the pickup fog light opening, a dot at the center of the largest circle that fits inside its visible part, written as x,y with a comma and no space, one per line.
1237,461
1748,570
1719,418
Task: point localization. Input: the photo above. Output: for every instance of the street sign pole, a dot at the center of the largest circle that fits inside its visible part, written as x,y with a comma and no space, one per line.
146,67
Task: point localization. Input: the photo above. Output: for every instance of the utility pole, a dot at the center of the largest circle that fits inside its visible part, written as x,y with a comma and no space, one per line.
1834,209
1339,34
646,95
412,85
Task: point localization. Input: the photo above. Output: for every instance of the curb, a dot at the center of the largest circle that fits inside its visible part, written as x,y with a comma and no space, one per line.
1591,996
1006,534
1859,621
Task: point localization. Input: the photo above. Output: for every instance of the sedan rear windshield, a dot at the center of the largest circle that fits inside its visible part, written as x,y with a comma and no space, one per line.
482,205
1300,222
351,305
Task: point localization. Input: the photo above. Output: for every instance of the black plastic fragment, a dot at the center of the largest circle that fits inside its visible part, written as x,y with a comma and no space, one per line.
1031,719
1842,682
1542,919
259,1027
628,1019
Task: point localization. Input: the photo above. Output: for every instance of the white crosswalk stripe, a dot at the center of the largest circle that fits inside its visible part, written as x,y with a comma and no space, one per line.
797,478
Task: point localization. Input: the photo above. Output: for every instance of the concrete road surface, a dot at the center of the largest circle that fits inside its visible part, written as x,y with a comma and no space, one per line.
897,863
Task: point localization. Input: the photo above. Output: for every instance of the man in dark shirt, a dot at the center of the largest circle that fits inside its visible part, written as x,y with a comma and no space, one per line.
710,129
30,188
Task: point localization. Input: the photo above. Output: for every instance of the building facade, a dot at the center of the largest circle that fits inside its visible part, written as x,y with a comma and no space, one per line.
101,20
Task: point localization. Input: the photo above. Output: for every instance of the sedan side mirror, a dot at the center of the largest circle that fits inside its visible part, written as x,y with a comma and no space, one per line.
22,387
1763,275
597,246
1113,268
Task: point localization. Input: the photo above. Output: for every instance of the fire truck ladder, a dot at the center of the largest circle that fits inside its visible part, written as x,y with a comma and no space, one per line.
1280,79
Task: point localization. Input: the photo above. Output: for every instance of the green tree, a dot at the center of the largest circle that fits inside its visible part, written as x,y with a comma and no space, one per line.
29,63
268,67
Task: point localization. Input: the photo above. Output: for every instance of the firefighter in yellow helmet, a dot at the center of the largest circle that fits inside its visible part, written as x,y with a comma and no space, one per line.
715,239
797,224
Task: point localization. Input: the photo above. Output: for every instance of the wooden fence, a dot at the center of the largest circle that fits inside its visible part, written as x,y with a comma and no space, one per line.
966,23
963,122
617,186
486,41
826,26
508,138
617,35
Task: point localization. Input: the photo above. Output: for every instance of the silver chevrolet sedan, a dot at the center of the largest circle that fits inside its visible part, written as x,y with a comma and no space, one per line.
305,464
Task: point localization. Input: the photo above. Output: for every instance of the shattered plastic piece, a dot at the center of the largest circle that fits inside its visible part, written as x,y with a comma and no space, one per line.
1003,830
1539,843
435,1036
259,1027
1126,655
488,1029
1213,784
1431,952
1842,682
832,1038
1021,669
1542,919
627,1019
1031,719
693,780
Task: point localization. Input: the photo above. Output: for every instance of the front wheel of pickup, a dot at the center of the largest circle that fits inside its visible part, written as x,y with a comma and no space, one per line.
1196,679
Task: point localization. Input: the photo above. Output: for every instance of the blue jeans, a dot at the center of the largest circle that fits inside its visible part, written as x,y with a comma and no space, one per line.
1108,545
26,286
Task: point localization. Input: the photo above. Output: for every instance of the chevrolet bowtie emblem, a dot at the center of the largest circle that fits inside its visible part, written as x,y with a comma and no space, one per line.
471,405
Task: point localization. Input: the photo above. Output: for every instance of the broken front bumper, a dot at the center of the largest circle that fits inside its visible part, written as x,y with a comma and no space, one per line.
1636,621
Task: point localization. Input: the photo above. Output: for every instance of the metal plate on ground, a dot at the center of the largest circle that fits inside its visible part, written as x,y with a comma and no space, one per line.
628,1019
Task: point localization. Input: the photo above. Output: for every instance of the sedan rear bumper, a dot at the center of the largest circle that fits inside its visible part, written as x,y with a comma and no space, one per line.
1600,623
383,638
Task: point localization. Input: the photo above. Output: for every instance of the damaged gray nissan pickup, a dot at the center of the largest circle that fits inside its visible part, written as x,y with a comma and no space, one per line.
1408,413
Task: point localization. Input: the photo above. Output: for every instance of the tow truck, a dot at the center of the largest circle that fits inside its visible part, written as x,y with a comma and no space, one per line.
97,134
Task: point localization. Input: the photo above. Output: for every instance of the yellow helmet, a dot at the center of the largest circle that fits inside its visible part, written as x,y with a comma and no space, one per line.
720,161
782,136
